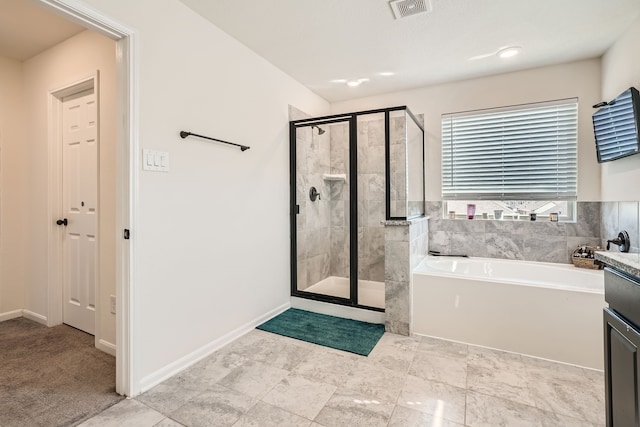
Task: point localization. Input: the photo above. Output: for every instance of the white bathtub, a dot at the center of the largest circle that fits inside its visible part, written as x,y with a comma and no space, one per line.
553,311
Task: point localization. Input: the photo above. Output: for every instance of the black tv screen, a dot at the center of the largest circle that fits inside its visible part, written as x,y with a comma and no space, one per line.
616,127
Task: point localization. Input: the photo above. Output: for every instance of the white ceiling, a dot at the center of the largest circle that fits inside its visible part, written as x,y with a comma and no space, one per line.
27,29
319,41
316,41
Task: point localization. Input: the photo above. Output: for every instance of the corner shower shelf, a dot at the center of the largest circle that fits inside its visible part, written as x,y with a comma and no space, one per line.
335,177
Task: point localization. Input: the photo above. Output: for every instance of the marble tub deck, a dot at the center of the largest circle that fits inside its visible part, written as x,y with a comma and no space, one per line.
263,379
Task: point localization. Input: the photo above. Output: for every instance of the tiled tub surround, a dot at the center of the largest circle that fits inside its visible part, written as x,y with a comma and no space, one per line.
267,380
618,216
406,246
523,240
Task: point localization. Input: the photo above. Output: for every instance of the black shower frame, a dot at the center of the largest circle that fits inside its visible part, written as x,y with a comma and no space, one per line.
350,118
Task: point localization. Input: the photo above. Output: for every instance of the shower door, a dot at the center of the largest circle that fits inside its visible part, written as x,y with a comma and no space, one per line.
322,209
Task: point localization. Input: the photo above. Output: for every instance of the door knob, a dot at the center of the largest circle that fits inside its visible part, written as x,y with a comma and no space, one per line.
62,222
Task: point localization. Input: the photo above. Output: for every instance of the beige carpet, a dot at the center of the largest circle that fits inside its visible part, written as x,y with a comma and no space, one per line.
52,376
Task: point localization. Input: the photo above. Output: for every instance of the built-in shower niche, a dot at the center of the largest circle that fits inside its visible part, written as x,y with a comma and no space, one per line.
359,163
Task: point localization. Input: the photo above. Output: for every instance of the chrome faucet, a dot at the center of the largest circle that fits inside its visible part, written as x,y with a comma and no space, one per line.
622,241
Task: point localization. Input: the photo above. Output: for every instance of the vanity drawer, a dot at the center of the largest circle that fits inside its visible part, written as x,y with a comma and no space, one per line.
622,292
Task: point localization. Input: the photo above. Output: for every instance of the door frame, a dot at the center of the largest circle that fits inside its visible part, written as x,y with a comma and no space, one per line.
294,209
55,315
127,60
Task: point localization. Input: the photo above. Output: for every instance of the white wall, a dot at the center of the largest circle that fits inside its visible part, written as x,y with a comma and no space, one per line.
577,79
621,70
66,63
213,235
13,182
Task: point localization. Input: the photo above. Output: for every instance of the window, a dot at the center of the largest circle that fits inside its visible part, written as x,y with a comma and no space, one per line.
523,158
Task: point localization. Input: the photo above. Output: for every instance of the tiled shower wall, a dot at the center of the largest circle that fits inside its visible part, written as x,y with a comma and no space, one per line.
339,201
524,240
398,163
407,178
323,245
371,200
407,246
313,221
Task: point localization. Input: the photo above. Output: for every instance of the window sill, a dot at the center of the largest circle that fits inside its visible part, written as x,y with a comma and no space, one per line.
522,219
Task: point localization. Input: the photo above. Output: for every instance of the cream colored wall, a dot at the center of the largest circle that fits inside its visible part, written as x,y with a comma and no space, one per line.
13,188
213,233
577,79
64,64
621,70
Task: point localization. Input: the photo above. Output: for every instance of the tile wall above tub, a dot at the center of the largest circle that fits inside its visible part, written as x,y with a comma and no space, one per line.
523,240
619,216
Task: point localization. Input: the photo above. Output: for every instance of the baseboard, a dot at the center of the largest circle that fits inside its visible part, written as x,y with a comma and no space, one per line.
107,347
10,315
35,317
173,368
23,313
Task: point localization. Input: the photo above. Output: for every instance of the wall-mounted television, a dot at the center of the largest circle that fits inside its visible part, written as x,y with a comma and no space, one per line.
616,126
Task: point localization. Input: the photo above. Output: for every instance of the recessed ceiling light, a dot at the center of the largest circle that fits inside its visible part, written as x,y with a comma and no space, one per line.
358,82
386,73
509,52
352,83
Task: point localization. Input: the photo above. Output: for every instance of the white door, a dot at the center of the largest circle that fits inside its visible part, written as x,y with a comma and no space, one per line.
79,198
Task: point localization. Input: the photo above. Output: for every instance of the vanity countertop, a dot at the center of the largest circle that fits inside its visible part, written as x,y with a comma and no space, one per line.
627,262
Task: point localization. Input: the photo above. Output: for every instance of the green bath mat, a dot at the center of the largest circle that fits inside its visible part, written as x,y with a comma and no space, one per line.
335,332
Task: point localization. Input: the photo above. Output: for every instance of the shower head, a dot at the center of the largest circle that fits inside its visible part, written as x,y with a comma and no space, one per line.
320,130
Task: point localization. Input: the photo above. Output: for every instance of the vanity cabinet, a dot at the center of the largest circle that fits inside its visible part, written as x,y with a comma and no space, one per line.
621,371
621,343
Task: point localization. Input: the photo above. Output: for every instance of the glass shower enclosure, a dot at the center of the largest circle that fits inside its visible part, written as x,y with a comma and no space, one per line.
348,174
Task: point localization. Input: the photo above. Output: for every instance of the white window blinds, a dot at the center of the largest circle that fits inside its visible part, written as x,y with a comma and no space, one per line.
517,153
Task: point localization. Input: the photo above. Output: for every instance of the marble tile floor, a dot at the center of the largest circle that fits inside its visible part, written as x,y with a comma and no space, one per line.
263,379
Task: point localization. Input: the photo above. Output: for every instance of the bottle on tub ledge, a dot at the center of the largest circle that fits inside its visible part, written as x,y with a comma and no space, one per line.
471,211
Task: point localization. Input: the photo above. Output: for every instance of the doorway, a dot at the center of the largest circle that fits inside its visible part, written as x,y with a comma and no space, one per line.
126,158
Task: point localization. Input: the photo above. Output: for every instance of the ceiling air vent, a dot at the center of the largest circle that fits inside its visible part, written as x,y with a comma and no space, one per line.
404,8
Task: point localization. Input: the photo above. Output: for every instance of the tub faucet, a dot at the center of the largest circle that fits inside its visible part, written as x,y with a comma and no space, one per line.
437,253
622,241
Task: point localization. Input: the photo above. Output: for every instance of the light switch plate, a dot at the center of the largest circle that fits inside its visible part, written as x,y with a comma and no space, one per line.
153,160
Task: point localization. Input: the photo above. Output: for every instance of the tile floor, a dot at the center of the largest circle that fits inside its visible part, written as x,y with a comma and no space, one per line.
266,380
